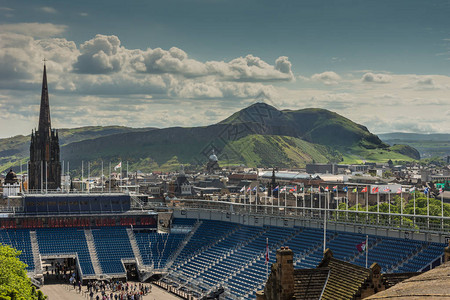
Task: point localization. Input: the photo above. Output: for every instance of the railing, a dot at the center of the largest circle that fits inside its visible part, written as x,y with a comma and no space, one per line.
11,209
410,222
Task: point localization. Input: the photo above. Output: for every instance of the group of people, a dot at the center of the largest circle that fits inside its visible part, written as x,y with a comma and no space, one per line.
101,290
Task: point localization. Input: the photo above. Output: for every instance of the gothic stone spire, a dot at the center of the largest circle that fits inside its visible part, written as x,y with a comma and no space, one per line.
44,115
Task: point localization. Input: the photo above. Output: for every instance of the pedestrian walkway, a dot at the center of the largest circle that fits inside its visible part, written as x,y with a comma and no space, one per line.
66,292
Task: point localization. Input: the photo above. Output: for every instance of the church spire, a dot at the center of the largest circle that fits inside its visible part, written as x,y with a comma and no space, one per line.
44,115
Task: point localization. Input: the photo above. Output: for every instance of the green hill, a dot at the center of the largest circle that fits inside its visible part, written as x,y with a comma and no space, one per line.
428,145
259,135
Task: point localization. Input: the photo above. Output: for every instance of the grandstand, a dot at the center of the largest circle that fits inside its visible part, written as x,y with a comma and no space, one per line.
205,251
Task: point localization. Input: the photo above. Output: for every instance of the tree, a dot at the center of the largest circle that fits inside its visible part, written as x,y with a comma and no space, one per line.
14,283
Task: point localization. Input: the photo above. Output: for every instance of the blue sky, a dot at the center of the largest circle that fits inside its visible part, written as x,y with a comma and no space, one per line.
188,63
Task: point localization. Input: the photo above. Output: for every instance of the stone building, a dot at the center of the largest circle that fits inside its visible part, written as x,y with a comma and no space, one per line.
213,164
332,279
11,185
44,166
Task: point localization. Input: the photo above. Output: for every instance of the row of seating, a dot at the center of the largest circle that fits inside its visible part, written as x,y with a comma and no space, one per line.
239,264
222,253
65,241
20,240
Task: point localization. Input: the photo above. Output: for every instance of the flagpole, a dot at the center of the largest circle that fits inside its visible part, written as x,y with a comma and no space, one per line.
346,213
257,190
271,199
109,190
401,207
245,200
46,178
82,171
389,199
367,203
42,176
89,178
378,205
265,204
21,178
324,229
267,256
285,200
249,198
102,177
63,175
428,208
278,208
320,203
28,177
357,200
367,249
442,209
414,195
304,200
336,202
68,172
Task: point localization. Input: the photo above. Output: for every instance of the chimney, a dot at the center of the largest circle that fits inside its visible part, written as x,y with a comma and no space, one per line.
285,273
447,253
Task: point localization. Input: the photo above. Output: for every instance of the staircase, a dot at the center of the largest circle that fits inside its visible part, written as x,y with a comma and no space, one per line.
174,256
36,254
92,252
145,271
134,246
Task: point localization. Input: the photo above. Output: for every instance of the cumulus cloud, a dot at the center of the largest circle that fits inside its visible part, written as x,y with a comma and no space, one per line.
115,80
48,9
376,78
252,69
173,61
102,66
104,54
38,30
328,77
425,81
100,55
21,58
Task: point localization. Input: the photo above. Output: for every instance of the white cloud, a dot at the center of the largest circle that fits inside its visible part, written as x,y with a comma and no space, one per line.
84,14
252,69
102,82
48,9
328,77
100,55
38,30
173,61
376,78
104,55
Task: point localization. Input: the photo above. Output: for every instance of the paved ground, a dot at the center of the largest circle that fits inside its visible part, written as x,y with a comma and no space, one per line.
66,292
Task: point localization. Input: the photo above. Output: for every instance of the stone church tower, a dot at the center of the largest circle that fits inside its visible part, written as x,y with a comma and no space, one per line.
44,166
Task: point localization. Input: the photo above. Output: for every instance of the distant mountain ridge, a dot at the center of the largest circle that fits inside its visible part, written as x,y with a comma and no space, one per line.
259,135
429,145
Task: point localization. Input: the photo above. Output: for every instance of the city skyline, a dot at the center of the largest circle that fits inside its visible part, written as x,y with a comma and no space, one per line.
189,63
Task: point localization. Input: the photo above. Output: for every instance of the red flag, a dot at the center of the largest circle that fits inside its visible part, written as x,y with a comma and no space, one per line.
399,191
364,190
361,247
267,250
375,190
